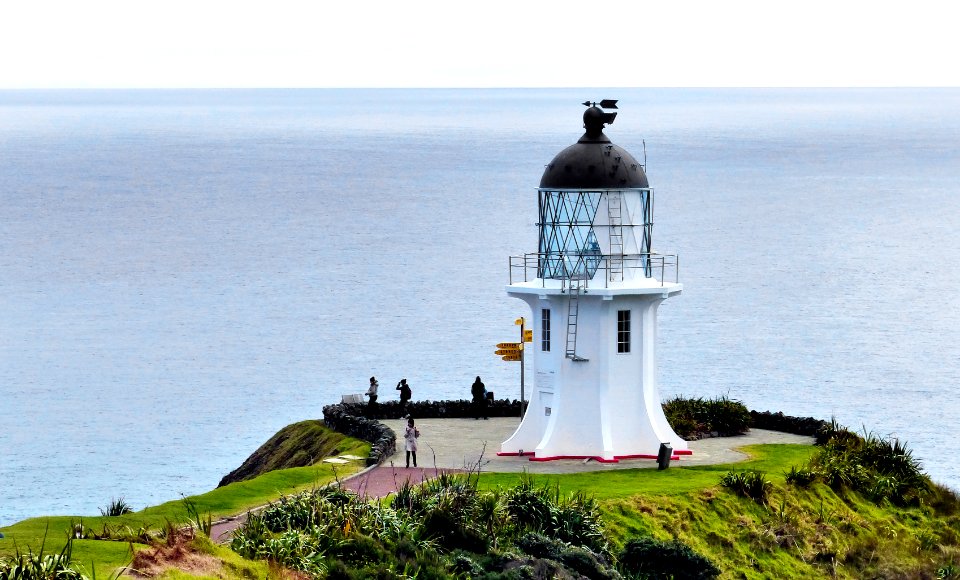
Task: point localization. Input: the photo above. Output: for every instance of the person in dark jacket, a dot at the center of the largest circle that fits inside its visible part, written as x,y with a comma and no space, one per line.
479,392
405,395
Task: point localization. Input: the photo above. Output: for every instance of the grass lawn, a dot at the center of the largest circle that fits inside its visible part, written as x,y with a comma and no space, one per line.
621,483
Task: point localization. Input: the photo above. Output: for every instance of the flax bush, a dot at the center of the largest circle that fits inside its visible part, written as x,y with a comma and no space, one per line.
752,484
40,566
880,468
695,416
423,530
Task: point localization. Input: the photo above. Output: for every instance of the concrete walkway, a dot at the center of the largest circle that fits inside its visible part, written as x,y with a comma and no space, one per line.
469,443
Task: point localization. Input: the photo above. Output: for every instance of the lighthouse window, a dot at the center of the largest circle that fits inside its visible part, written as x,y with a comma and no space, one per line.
545,329
623,331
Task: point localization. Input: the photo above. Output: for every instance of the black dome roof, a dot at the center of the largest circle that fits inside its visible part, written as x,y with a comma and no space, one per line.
593,162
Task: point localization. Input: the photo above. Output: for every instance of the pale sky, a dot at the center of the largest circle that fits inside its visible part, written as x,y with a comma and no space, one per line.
469,43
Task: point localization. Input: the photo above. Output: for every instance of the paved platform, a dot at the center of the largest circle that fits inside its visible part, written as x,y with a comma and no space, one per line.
470,443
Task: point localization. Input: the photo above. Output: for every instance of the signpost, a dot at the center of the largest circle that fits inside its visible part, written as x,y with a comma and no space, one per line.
512,352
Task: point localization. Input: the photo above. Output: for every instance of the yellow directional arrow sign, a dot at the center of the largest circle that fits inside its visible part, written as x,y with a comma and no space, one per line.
508,345
507,351
511,357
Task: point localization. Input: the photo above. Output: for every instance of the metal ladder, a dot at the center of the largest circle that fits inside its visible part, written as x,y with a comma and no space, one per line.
615,220
573,311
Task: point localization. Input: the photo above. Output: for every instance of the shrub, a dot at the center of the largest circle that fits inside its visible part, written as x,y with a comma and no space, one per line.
752,484
203,523
443,526
361,549
943,500
587,563
462,563
649,558
574,519
728,417
116,507
528,506
576,558
539,546
685,415
883,469
577,521
686,427
407,499
339,571
40,566
430,530
691,417
800,477
948,571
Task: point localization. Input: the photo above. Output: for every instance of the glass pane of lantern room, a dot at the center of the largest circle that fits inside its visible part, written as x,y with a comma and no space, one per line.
567,240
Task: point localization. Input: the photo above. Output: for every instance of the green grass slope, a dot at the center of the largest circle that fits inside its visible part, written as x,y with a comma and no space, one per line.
800,532
297,445
106,555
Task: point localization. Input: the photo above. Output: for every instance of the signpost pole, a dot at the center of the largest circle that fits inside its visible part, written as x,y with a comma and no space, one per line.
523,399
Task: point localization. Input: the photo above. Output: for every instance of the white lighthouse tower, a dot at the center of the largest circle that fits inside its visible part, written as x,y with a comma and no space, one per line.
593,287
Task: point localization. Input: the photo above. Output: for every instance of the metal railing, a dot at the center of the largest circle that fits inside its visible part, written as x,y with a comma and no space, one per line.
576,267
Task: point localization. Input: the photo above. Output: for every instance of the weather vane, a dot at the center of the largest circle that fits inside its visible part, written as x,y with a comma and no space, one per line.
594,119
604,104
605,117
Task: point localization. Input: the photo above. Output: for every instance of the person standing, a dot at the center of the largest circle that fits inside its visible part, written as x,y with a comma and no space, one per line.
410,436
479,392
405,395
372,395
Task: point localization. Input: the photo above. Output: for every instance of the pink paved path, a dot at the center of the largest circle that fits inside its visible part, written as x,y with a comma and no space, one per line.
377,482
384,479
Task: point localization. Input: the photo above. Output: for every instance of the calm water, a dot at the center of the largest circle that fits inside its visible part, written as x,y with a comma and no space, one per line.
183,273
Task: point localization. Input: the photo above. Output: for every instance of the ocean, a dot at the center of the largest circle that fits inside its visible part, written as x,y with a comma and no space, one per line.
183,273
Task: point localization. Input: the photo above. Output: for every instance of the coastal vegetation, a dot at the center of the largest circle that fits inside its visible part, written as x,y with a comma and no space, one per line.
116,507
106,543
695,417
853,506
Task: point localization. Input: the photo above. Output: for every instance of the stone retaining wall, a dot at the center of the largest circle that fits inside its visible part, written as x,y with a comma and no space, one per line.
787,424
347,420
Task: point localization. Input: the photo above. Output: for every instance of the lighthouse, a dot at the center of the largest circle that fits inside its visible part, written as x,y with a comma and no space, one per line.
594,286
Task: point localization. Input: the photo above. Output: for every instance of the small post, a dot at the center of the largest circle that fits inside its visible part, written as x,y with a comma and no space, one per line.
663,456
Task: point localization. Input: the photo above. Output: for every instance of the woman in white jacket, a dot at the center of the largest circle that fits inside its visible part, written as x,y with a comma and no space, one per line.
410,435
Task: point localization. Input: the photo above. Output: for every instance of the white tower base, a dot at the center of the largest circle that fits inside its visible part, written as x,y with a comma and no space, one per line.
602,404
